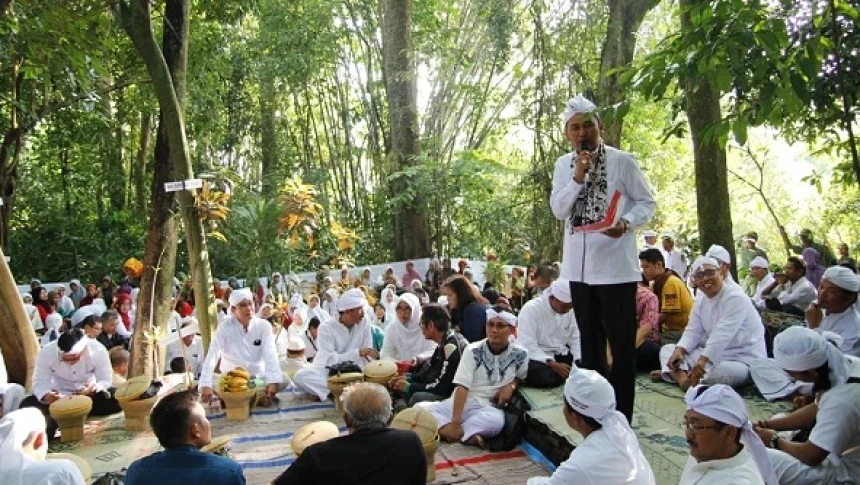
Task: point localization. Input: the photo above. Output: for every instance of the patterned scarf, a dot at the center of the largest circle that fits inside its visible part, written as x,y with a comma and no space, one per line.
590,205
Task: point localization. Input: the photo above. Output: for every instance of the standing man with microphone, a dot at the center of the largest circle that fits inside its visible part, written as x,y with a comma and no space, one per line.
602,195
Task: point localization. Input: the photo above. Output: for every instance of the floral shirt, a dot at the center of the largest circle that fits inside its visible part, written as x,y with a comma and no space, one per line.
647,312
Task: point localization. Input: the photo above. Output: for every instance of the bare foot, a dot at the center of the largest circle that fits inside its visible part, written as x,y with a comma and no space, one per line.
476,440
314,398
656,376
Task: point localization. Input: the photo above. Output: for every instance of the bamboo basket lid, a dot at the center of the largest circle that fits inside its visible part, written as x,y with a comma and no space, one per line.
133,388
380,368
217,444
83,466
311,434
420,421
71,406
347,377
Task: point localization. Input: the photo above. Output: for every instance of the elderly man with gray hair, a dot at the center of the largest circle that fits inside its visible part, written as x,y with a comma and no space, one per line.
371,452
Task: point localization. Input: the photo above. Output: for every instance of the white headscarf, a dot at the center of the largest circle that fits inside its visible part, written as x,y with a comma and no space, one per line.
15,427
723,404
81,314
352,298
801,349
238,296
408,339
99,304
390,313
262,307
575,106
191,329
843,278
503,315
759,262
53,322
590,394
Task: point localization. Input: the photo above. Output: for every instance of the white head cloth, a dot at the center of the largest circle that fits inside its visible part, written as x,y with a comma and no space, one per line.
238,296
15,427
350,299
79,316
800,349
843,278
99,304
263,307
590,394
503,315
575,106
191,329
295,300
650,233
719,253
295,344
668,235
75,282
560,289
408,339
723,404
703,260
759,262
416,284
27,298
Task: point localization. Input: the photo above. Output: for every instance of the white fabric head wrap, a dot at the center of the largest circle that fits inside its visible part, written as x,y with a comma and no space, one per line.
79,316
668,235
350,299
703,260
759,262
801,349
295,344
575,106
99,304
843,278
262,307
191,329
719,253
15,427
408,339
295,300
503,315
238,296
560,289
590,394
723,404
649,233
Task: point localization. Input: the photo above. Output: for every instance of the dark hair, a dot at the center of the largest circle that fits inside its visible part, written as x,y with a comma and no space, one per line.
69,338
645,280
849,265
437,315
653,256
798,263
465,291
177,365
591,422
109,315
91,321
378,305
171,417
314,323
822,382
492,295
118,355
545,272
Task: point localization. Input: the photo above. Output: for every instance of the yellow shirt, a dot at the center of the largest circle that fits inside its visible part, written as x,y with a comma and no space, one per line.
677,303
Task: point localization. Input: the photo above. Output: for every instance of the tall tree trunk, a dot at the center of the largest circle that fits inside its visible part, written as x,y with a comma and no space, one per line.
709,155
134,16
10,149
139,169
269,151
411,224
625,18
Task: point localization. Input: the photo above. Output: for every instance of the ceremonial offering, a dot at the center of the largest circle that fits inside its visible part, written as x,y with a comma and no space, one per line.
70,414
313,433
427,428
337,383
380,371
239,392
137,397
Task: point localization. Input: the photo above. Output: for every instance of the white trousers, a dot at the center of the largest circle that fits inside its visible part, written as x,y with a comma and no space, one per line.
313,380
774,383
12,394
729,372
479,418
791,471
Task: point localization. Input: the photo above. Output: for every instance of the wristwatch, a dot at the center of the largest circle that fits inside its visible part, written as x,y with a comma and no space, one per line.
774,442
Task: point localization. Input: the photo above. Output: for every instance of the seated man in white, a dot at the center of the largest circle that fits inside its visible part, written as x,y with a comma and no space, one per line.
23,447
404,340
837,298
760,272
830,454
609,453
725,262
724,336
723,446
11,394
345,339
295,359
547,329
791,292
242,341
189,346
490,371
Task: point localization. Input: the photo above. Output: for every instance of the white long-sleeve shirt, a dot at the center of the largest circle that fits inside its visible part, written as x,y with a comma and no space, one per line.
194,353
599,462
595,258
758,299
52,374
336,343
847,326
545,333
51,472
799,294
675,261
253,349
727,327
739,469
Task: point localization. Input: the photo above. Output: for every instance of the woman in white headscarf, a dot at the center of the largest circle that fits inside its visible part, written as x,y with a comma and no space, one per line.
33,313
329,304
389,301
23,447
404,340
314,309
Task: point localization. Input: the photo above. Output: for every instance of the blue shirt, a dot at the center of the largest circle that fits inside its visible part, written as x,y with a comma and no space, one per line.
184,465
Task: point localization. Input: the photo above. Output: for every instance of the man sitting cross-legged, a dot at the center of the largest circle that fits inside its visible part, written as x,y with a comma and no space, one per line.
490,371
724,335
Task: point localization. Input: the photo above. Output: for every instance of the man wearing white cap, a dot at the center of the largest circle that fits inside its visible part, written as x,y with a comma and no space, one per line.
193,345
242,340
490,371
790,292
23,447
609,452
295,360
603,197
724,336
829,455
548,331
346,339
675,259
835,310
760,274
650,238
723,257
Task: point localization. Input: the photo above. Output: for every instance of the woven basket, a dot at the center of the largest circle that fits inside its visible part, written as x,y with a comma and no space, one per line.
380,372
426,427
336,384
237,405
83,466
311,434
70,414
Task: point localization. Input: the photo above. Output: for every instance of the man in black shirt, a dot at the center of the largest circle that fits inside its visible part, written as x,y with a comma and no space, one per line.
109,336
371,454
434,381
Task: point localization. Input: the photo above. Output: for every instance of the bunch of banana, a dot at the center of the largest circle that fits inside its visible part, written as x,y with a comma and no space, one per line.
236,380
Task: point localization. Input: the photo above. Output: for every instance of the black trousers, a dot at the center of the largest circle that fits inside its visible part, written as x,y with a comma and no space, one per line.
608,313
102,406
774,304
541,376
648,356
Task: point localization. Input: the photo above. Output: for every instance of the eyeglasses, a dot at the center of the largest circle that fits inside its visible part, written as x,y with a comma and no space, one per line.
704,274
695,427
